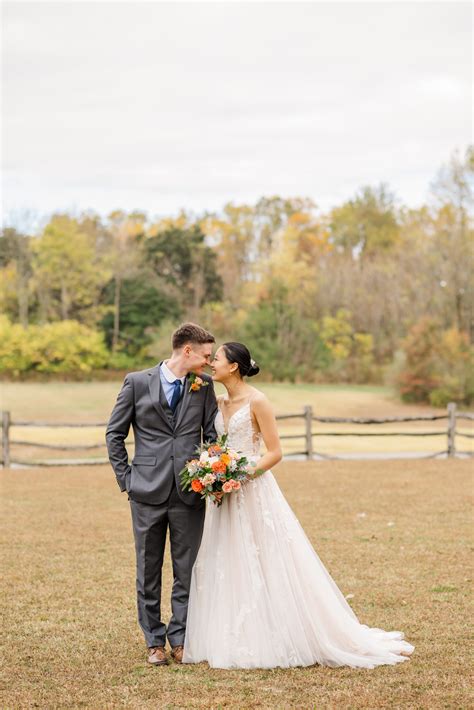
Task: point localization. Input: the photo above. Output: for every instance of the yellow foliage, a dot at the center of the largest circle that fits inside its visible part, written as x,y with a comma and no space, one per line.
65,346
8,286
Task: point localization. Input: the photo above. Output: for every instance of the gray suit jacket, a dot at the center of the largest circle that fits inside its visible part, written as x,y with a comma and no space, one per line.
163,442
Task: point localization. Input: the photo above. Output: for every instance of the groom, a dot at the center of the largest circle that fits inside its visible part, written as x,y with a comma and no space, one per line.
171,408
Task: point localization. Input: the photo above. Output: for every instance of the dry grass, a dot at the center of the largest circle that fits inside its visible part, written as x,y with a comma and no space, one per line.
93,402
71,638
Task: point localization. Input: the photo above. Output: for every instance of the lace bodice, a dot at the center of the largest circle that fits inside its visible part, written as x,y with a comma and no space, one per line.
241,433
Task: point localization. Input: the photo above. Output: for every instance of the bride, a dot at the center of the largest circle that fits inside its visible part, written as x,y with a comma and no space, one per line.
260,596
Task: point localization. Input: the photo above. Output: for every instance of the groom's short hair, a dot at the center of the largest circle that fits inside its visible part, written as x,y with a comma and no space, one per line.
191,333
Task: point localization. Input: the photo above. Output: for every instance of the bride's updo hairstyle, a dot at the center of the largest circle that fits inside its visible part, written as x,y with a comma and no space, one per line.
237,352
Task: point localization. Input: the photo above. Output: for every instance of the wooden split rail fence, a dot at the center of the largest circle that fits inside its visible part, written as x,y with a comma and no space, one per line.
451,433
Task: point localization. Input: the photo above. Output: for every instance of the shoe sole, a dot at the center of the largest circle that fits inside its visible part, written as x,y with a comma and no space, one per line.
158,663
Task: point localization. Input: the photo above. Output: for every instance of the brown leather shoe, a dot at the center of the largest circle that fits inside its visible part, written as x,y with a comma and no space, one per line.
157,656
177,653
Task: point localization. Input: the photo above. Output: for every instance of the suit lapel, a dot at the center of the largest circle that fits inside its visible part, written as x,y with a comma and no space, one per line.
154,386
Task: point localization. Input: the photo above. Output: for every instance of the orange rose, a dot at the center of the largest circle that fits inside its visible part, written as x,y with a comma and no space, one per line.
225,458
195,386
214,450
196,486
218,467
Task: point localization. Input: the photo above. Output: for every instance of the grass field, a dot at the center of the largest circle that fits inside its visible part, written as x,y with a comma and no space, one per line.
70,636
93,401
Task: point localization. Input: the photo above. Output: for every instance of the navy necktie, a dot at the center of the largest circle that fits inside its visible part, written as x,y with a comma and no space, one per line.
176,395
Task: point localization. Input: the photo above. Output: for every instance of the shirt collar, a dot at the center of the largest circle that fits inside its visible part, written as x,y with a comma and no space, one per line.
169,375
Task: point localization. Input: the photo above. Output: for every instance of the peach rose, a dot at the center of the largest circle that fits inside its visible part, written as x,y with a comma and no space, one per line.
196,486
193,466
235,485
227,487
208,479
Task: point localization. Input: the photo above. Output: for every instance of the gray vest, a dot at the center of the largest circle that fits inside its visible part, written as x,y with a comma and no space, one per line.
172,418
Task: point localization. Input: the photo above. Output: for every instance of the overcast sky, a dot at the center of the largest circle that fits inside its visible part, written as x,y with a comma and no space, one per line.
158,106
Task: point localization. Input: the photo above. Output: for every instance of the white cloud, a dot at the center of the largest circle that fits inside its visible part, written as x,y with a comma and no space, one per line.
163,105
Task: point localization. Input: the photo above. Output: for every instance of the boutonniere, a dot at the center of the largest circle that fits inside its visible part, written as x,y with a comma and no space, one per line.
196,383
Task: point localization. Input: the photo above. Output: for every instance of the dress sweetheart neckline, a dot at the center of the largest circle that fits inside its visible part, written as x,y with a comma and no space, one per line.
226,428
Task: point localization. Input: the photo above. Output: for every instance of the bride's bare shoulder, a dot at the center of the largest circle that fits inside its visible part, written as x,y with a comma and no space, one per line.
259,399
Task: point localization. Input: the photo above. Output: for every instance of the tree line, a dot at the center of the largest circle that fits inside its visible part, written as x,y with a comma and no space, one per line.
368,292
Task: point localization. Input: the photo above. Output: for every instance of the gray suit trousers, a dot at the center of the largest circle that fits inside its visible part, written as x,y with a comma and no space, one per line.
150,524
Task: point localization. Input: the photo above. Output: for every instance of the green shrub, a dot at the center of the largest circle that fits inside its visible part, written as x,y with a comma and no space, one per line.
123,361
437,367
351,353
65,346
285,343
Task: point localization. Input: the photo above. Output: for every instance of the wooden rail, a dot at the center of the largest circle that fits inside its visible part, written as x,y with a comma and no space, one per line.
451,433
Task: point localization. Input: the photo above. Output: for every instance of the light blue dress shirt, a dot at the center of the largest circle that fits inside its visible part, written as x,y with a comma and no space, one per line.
167,379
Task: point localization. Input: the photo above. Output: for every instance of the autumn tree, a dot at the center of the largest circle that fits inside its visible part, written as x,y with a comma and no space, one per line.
66,274
16,272
454,237
366,225
232,237
184,267
123,257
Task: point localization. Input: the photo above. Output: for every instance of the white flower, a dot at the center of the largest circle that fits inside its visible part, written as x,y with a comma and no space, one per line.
193,467
204,457
213,459
208,479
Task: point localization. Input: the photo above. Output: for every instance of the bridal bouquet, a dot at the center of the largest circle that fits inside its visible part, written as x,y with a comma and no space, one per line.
218,468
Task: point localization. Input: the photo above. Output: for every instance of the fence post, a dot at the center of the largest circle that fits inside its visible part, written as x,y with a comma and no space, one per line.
6,439
308,415
452,429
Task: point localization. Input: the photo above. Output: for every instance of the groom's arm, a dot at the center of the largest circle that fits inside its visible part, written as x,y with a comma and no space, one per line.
210,411
117,431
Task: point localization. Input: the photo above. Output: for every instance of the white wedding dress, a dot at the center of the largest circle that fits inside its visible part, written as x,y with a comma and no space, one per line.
260,596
